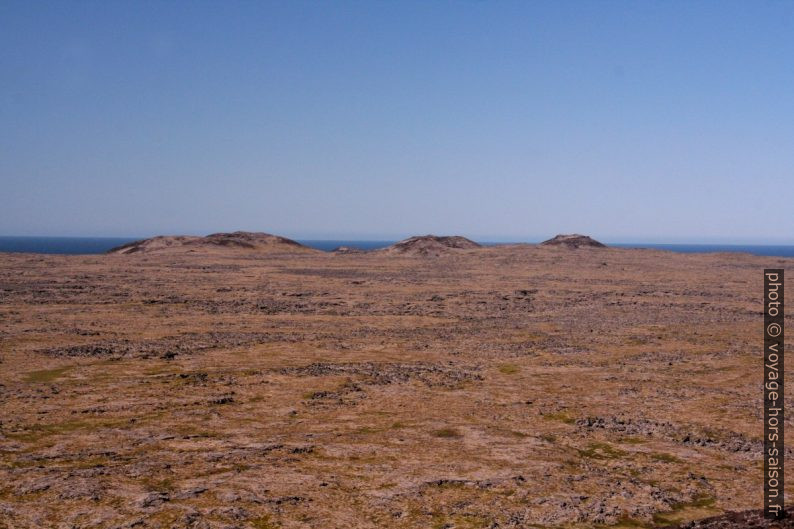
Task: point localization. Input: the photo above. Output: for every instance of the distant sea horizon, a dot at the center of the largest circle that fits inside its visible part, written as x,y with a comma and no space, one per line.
100,245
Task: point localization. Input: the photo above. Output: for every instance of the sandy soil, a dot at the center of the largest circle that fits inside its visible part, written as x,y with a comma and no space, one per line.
501,387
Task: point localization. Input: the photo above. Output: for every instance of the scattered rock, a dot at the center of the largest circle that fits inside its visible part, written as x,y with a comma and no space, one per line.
153,499
390,373
753,519
167,347
189,493
693,436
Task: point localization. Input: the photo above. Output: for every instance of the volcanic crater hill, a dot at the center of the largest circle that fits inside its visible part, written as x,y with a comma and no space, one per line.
431,245
238,240
573,240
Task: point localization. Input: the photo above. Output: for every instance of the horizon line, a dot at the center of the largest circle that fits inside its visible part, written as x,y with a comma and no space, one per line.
651,240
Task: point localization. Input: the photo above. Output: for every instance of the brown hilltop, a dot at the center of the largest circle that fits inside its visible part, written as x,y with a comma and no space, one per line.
573,240
238,240
161,242
431,245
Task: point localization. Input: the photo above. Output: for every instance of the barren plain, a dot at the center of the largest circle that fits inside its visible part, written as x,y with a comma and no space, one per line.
496,387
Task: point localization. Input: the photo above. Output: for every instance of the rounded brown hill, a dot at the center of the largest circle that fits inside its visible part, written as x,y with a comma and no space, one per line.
431,245
238,240
573,240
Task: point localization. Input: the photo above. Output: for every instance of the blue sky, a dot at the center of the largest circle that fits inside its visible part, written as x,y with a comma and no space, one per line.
630,121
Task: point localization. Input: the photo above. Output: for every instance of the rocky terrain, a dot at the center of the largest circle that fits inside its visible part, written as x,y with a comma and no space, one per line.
517,386
240,240
573,241
752,519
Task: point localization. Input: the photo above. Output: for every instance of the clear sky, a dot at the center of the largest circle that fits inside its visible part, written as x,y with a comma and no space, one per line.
666,121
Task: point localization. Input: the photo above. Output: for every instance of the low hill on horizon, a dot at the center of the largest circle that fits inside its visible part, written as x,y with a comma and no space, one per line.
431,245
238,240
573,240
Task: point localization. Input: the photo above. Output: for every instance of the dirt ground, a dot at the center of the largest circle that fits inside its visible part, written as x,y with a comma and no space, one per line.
501,387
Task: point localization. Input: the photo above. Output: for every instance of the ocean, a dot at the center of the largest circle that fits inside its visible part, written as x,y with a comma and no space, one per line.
61,245
98,245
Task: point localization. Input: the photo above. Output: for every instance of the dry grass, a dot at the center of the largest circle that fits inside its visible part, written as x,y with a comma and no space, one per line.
517,386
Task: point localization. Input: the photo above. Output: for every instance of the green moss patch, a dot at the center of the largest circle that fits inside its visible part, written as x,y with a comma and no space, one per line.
46,375
601,451
508,369
447,433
